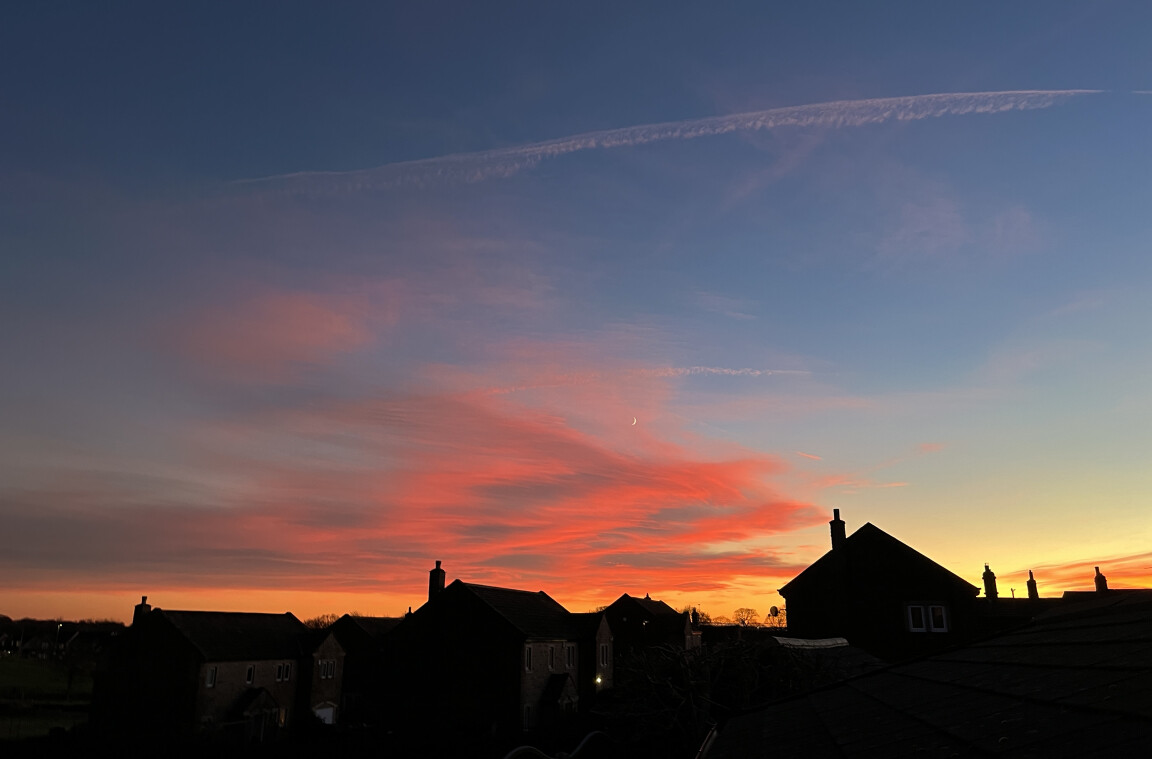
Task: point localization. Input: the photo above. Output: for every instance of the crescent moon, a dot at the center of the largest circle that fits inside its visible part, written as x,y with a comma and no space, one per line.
633,421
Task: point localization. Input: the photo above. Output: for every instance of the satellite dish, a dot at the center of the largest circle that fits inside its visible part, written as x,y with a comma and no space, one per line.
774,611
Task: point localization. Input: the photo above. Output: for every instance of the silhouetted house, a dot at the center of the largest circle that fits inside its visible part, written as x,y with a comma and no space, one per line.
1074,682
477,660
240,674
366,681
880,594
594,656
642,622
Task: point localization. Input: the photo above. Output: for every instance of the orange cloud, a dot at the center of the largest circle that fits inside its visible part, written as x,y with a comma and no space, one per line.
545,484
1133,571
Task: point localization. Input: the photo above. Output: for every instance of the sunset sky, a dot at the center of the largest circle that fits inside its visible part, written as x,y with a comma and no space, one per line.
588,298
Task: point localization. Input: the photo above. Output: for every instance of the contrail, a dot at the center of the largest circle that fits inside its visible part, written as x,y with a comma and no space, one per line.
686,371
504,162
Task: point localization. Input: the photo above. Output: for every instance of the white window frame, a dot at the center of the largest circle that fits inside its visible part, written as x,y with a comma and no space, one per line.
210,678
250,674
932,626
570,653
551,657
528,658
910,609
603,654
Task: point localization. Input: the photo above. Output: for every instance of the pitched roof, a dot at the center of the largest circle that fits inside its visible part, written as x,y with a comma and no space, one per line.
237,636
536,615
653,607
376,626
587,622
1074,682
870,548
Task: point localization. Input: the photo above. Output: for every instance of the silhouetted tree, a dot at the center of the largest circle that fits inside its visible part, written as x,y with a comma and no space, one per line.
745,616
704,617
779,619
321,621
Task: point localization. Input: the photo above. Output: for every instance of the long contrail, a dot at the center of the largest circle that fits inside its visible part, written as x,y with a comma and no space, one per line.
503,162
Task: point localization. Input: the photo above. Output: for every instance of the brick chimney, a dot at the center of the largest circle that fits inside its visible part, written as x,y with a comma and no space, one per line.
990,583
1101,582
140,611
1033,593
435,581
837,526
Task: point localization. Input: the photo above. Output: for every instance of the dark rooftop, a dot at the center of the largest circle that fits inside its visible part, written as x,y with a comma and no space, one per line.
864,549
1074,682
236,636
656,608
536,615
377,626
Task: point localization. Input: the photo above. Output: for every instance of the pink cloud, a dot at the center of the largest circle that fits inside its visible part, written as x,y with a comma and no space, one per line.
269,334
546,484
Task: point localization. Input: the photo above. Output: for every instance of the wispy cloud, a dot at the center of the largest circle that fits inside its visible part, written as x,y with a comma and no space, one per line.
504,162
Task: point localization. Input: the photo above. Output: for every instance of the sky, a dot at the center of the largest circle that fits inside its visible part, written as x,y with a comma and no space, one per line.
590,298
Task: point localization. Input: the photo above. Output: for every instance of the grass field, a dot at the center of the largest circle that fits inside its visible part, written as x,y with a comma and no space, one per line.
35,698
41,680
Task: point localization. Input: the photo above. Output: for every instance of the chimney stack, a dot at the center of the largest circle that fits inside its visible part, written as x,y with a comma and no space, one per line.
435,581
1033,593
837,526
140,611
990,583
1101,582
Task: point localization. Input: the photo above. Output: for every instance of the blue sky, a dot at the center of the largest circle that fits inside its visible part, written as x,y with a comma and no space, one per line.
296,300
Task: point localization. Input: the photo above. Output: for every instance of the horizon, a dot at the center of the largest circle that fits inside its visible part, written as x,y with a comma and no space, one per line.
590,300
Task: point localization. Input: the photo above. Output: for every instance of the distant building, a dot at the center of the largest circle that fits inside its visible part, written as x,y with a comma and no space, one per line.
489,661
237,675
366,683
880,594
639,623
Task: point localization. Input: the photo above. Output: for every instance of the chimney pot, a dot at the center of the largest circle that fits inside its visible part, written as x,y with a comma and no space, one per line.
141,610
990,583
837,525
435,581
1101,582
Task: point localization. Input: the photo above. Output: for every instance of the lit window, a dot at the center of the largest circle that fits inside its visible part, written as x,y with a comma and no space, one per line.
916,621
249,675
210,677
528,658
